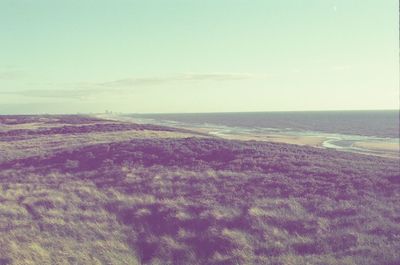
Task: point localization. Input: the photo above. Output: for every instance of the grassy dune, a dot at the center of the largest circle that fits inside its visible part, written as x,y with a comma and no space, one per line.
163,196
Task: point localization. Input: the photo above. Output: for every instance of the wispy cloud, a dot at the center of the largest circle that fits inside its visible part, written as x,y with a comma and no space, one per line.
11,74
55,93
127,85
343,67
141,81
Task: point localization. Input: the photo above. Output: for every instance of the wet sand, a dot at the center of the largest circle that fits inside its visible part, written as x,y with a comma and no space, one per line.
368,146
381,146
288,139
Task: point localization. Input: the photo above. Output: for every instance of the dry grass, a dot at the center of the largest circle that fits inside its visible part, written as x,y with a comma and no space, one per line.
155,200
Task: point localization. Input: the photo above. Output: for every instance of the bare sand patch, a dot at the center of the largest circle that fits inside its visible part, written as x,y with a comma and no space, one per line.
287,139
378,146
315,141
299,140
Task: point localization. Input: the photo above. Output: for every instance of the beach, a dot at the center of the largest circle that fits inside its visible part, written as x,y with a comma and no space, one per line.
364,144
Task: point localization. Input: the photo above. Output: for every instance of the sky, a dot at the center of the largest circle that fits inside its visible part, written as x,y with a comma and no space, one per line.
148,56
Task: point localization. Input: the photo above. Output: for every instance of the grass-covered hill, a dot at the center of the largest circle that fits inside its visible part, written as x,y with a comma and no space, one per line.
172,197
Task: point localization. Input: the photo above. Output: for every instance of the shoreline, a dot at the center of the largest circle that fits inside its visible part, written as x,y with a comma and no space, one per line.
355,144
347,143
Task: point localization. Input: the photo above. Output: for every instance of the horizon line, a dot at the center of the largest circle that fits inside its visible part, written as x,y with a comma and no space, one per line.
206,112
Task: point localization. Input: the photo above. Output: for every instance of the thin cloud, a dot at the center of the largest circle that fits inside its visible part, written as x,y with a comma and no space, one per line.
11,74
78,93
344,67
58,93
142,81
128,85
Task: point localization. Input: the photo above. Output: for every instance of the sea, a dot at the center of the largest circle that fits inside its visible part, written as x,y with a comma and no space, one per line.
341,128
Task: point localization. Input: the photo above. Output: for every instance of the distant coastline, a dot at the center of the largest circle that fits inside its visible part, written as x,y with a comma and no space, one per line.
377,123
367,132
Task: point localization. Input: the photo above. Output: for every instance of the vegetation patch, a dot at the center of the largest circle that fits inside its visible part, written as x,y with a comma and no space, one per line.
196,200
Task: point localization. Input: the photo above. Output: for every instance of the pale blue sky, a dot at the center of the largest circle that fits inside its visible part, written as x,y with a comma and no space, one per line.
198,56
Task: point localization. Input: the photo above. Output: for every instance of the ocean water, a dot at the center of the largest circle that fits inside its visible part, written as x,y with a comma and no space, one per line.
341,129
384,124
